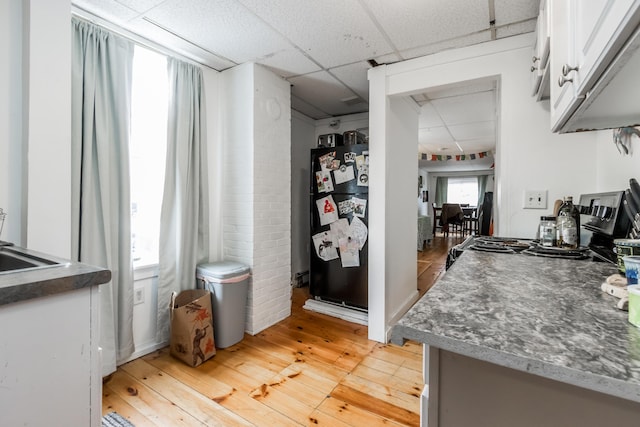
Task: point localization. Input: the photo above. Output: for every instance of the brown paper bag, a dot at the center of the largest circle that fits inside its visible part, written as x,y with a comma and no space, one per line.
192,326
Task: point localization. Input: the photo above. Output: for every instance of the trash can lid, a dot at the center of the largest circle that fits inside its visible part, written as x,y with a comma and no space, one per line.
222,269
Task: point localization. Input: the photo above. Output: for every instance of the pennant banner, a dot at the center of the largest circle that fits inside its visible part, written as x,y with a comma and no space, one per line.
458,157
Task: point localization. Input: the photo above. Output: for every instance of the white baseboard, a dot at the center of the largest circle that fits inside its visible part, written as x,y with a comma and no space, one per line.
353,315
143,352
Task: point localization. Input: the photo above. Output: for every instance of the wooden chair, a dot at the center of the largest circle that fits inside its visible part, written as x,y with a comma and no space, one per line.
436,218
452,219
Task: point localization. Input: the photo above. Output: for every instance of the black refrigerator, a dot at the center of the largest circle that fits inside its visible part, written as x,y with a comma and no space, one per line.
339,189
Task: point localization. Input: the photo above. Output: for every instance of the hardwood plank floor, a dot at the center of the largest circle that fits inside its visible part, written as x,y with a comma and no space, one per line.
309,369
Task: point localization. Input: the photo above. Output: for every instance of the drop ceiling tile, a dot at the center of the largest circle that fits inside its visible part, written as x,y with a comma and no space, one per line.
223,27
420,23
355,77
429,117
438,135
333,32
140,6
476,107
474,131
109,10
458,42
178,45
289,62
509,11
307,109
326,93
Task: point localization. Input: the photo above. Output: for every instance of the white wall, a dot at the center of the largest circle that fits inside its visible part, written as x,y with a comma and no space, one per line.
303,139
613,170
48,123
35,124
348,122
528,154
256,138
401,220
11,165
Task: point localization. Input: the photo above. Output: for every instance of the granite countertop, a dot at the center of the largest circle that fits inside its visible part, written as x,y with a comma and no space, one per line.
545,316
43,281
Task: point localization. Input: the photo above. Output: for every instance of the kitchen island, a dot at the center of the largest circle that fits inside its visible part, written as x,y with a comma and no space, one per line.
50,367
519,340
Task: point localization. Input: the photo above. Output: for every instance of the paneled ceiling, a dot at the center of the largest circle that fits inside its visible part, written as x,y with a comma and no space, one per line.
325,47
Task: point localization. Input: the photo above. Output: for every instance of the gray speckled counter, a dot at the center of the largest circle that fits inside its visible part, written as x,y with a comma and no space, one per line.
39,282
544,316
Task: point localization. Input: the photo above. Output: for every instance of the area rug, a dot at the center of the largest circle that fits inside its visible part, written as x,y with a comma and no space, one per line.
113,419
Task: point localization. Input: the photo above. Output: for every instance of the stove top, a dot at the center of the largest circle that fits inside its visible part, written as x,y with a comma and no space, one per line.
519,246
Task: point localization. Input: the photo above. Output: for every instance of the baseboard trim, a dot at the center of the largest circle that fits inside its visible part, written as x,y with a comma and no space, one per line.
342,312
143,352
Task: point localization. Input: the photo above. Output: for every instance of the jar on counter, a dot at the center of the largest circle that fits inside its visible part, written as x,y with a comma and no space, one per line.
547,229
567,232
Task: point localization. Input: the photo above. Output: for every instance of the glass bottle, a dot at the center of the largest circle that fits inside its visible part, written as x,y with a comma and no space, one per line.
572,238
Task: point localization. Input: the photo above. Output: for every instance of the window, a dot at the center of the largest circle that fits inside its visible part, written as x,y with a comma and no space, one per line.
463,190
149,100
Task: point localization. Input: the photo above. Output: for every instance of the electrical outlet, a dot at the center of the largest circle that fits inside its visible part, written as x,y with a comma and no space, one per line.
535,199
138,296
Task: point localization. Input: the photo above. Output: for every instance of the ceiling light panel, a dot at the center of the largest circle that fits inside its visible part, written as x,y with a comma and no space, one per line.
333,32
419,23
221,26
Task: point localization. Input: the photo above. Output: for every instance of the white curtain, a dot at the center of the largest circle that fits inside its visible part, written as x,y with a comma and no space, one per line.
101,90
184,230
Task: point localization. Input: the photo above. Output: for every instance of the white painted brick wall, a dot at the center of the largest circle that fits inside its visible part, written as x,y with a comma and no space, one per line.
257,187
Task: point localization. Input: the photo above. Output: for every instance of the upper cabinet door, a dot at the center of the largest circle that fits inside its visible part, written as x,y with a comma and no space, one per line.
563,97
586,36
601,28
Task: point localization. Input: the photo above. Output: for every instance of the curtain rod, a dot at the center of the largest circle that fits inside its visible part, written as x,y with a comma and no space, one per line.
143,41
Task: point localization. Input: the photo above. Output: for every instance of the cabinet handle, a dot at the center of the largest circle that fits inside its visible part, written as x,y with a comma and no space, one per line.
535,58
566,69
533,68
562,80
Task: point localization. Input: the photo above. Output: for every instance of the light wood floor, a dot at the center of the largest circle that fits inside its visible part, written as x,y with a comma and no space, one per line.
309,369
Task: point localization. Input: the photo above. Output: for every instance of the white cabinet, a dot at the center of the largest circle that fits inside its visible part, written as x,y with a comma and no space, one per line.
49,361
586,39
540,58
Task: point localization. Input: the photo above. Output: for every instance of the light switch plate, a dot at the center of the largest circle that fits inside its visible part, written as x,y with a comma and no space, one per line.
138,295
535,199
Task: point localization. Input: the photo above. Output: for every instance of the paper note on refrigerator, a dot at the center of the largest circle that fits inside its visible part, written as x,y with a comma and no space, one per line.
359,206
325,248
339,230
343,174
327,210
324,182
358,231
349,252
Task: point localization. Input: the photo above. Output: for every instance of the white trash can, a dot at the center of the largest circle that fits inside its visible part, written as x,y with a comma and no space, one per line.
228,282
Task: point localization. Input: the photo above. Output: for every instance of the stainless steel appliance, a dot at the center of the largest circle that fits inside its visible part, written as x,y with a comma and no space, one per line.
330,140
602,215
